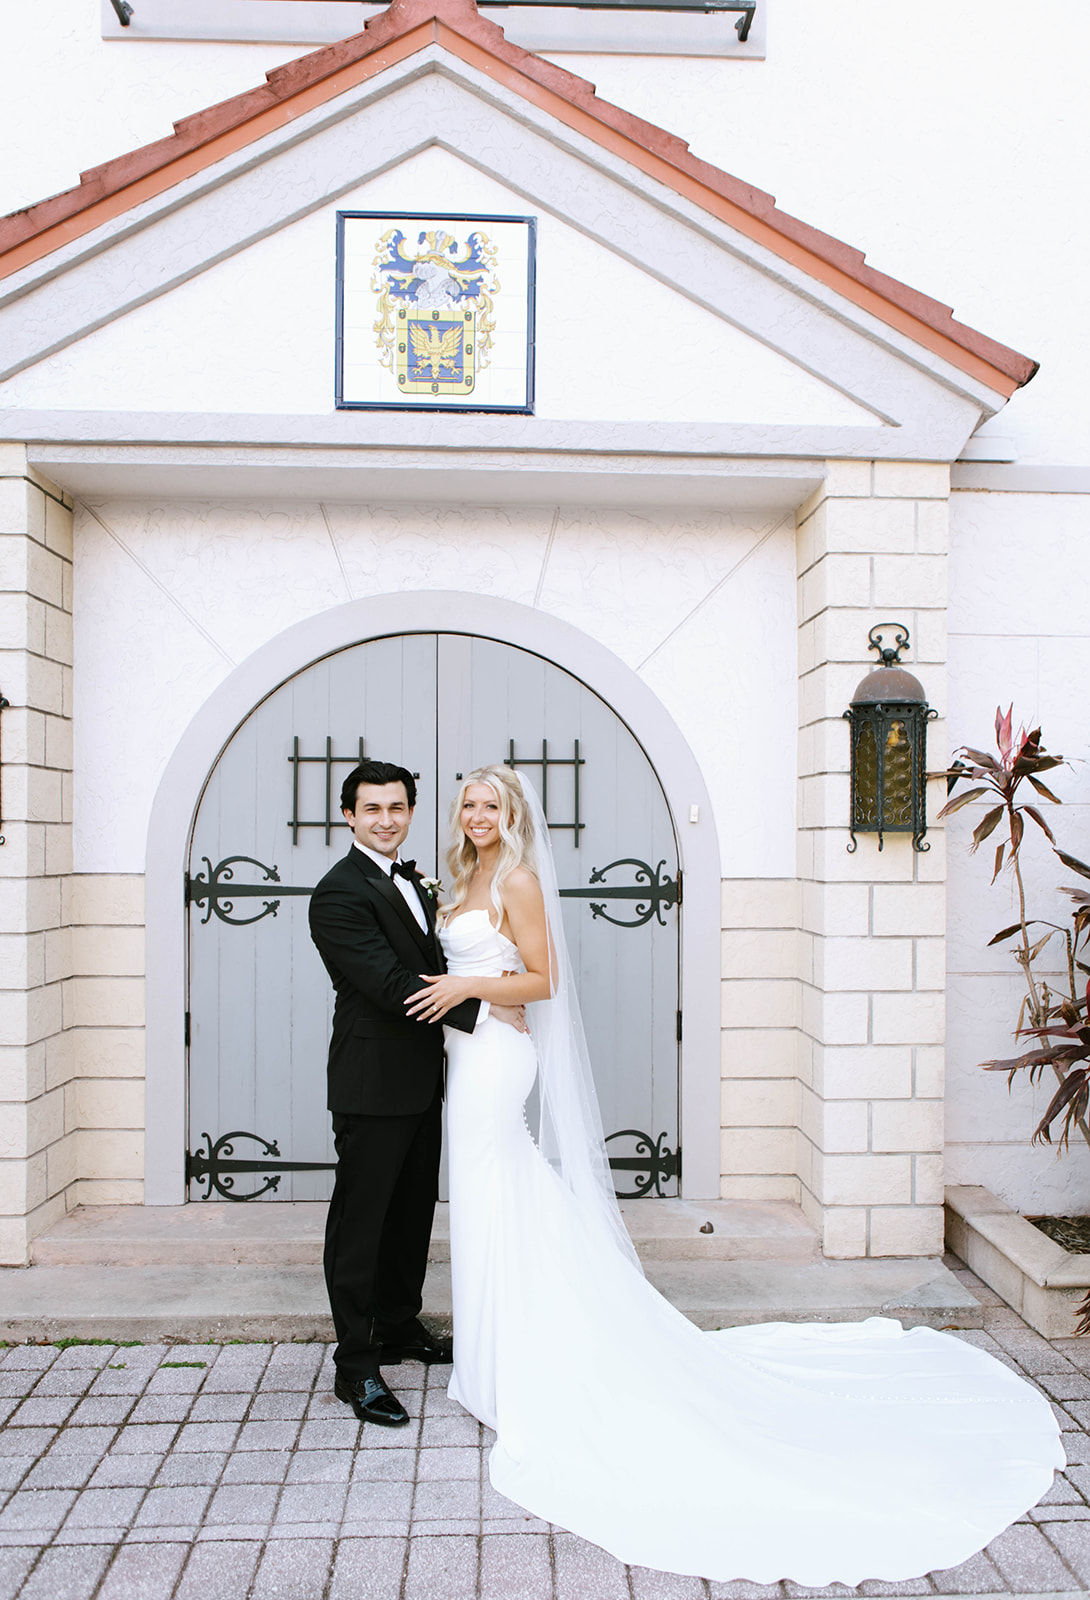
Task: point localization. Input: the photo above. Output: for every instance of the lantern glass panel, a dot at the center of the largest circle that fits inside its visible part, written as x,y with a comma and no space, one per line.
897,788
866,777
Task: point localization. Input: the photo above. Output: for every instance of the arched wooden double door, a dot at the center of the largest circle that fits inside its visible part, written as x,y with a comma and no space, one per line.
268,826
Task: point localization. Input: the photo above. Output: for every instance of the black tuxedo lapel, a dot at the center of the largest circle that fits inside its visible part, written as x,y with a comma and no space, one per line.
384,884
430,902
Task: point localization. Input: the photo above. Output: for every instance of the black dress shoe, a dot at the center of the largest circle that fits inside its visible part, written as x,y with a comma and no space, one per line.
417,1344
372,1400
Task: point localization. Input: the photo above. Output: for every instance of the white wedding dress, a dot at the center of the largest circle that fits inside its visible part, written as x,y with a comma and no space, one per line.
815,1452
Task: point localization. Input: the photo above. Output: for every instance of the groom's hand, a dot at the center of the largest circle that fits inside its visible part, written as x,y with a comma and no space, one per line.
515,1016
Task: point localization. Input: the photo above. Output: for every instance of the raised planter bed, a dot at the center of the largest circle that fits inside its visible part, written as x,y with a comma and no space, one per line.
1039,1278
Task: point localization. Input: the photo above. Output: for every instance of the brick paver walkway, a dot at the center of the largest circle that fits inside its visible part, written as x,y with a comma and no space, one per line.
209,1472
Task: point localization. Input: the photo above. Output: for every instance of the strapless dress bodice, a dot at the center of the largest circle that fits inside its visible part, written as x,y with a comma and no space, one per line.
473,946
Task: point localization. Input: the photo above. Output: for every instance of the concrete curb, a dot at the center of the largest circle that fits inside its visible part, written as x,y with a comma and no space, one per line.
189,1302
1041,1280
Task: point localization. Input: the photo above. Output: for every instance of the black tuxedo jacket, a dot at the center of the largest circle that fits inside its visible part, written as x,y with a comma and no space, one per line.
381,1061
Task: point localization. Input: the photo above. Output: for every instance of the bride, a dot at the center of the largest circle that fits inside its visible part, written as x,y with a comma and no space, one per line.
815,1452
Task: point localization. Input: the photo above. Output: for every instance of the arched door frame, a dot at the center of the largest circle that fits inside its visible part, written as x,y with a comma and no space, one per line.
428,611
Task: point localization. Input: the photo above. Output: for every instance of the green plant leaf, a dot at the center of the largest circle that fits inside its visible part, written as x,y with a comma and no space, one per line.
988,825
1043,789
1070,1099
982,759
1033,812
1074,863
962,800
1033,1058
953,774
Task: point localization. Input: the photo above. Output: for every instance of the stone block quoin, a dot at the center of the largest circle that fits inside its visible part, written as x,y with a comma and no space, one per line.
71,947
38,1147
871,547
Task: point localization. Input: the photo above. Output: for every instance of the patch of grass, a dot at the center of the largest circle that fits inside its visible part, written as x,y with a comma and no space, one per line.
117,1366
182,1364
122,1344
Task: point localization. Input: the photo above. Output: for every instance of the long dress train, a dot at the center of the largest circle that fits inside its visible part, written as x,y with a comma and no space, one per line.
815,1452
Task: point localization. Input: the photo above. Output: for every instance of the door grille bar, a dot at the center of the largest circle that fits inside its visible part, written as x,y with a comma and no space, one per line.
329,761
545,761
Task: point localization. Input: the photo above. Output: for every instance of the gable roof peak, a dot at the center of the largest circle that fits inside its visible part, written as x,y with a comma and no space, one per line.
407,26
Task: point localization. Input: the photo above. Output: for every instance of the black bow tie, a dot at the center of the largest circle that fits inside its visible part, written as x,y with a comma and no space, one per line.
403,869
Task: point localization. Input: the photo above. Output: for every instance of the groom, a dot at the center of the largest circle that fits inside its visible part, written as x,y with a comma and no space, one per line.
373,922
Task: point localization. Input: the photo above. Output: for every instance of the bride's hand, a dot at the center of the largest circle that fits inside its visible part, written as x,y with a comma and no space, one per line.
433,1003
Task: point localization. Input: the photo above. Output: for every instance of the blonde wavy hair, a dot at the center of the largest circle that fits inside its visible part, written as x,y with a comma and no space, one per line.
516,835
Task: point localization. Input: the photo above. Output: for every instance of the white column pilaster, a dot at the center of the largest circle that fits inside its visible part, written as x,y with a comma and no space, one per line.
871,548
37,1114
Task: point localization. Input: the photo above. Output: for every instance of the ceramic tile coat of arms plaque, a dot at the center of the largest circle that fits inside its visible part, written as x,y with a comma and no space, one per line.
435,312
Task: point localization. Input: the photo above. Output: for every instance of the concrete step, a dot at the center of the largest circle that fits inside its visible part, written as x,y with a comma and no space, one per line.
216,1302
282,1235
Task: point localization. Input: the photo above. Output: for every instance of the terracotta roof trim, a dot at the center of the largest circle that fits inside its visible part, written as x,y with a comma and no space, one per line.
407,26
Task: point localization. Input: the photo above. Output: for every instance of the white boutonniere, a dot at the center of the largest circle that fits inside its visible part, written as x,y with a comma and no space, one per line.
430,886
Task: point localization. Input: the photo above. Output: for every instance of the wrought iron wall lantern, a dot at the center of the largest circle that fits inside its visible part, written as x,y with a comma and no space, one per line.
889,714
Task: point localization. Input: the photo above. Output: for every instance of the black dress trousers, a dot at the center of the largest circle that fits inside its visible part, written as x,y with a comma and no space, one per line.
387,1179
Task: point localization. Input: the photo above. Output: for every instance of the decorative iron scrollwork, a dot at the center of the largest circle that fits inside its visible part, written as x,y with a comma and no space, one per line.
217,1165
653,1162
220,891
217,891
651,891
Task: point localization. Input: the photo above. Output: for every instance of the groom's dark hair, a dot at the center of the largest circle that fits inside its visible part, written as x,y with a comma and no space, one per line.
377,772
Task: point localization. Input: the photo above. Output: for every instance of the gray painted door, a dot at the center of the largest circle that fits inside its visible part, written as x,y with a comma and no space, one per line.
260,1001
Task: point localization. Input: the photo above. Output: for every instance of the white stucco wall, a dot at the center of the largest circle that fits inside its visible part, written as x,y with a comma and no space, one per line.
71,101
701,604
1018,632
953,157
252,335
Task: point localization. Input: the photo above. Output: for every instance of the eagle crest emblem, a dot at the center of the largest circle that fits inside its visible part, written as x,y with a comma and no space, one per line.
435,306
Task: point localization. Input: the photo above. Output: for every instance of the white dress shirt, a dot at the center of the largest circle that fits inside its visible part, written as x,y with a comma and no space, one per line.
408,893
412,900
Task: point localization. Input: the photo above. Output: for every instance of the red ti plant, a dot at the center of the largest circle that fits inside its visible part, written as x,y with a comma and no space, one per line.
1042,1015
1064,1034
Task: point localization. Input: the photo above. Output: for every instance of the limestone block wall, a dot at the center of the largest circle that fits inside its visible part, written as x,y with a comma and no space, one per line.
38,1142
760,1011
832,982
104,1016
871,547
